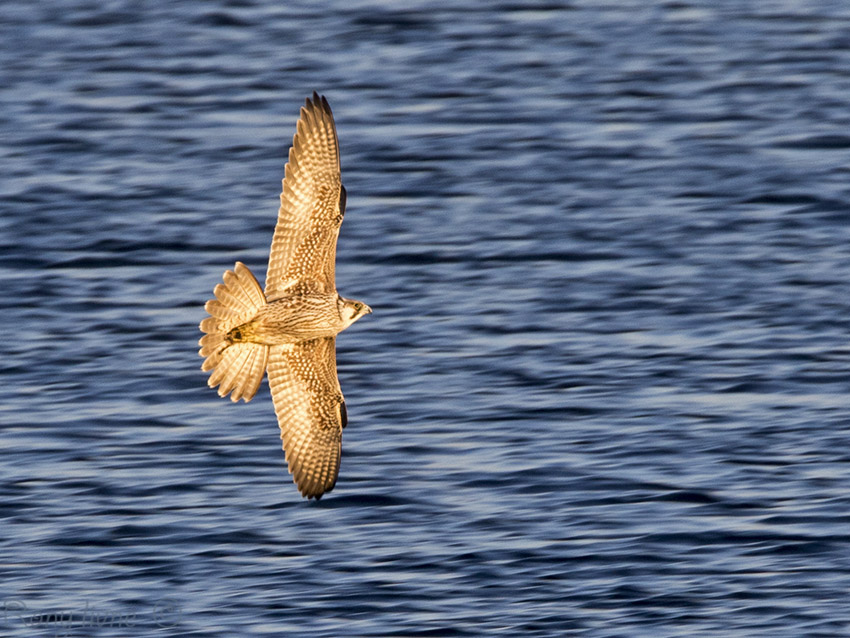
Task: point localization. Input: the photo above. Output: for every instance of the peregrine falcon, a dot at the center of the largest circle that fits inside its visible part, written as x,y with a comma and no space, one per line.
290,329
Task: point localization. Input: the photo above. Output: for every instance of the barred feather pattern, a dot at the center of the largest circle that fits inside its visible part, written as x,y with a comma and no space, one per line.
289,329
312,204
310,410
237,367
298,318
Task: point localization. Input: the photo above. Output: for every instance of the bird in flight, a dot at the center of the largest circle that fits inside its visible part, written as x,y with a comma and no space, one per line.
290,328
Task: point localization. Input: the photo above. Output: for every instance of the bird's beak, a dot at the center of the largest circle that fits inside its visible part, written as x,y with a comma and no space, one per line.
367,310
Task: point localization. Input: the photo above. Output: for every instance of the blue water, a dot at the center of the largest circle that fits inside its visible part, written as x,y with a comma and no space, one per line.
604,391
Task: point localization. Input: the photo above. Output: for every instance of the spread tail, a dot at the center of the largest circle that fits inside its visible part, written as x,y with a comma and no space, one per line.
237,365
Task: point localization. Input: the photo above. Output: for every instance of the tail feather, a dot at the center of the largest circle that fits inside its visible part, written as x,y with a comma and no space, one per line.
246,373
241,284
235,303
240,371
208,325
238,366
218,309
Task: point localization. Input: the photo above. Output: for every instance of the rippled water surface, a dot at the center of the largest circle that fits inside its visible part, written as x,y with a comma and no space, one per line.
604,391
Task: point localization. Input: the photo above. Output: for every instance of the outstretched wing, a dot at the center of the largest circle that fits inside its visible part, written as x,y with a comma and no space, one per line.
310,411
311,205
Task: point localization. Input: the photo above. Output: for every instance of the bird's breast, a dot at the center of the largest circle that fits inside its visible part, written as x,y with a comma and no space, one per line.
300,318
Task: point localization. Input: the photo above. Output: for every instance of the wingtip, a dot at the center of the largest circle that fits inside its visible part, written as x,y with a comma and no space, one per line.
317,102
314,494
310,487
313,102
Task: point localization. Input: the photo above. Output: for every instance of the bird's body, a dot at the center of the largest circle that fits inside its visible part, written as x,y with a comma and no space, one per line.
298,317
290,328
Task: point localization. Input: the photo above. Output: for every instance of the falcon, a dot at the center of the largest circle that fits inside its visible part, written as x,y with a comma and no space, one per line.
289,329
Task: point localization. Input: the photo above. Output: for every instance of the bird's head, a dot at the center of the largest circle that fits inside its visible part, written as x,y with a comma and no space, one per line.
351,310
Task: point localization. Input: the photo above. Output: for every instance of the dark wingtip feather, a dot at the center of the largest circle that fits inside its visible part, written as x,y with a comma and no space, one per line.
319,103
343,414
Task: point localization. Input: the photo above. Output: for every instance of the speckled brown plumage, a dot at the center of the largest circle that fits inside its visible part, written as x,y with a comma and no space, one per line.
290,328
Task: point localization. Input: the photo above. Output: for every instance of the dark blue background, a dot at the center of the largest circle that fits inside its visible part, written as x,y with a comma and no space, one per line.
604,391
